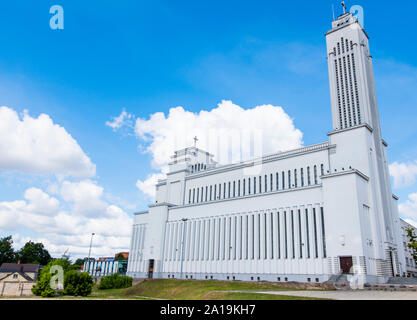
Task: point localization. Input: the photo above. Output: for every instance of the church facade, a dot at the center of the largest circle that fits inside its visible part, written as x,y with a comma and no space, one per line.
300,215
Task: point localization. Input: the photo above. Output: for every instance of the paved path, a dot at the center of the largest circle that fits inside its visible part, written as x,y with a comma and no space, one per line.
349,295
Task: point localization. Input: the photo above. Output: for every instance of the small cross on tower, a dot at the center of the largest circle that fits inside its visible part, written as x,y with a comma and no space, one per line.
344,7
195,141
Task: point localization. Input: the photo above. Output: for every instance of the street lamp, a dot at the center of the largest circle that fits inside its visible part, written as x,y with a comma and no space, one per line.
183,244
89,252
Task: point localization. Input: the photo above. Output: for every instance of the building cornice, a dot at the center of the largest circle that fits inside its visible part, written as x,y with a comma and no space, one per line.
341,173
367,126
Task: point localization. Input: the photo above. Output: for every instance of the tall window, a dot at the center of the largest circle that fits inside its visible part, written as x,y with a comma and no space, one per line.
289,179
229,191
308,235
220,190
283,179
260,184
206,193
302,177
295,178
193,195
198,194
202,193
292,234
315,175
323,233
277,181
211,193
300,236
272,183
215,192
234,189
244,187
224,190
238,188
189,196
315,232
254,185
266,183
322,169
285,235
308,176
248,185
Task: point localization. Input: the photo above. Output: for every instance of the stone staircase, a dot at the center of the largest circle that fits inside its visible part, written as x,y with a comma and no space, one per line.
402,281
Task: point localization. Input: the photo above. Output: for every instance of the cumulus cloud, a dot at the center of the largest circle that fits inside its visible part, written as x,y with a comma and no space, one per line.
404,174
409,208
124,119
228,131
37,145
147,186
62,229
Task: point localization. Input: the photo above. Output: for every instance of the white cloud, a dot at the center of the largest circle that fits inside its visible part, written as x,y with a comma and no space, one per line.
229,132
404,174
60,229
409,208
85,197
148,185
124,119
37,145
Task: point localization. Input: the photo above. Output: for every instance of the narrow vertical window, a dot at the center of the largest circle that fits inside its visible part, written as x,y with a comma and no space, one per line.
206,193
266,183
279,235
198,194
302,177
323,233
211,192
244,187
289,179
315,175
215,192
285,235
322,169
238,188
295,178
308,176
283,179
272,235
220,190
315,232
272,183
249,186
193,195
229,191
234,189
265,238
300,234
260,184
308,235
254,185
189,196
292,234
277,181
224,190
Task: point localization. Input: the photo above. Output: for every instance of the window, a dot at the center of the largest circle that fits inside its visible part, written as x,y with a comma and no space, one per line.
215,192
277,181
234,189
229,191
260,184
248,185
300,236
315,175
238,188
224,190
202,190
292,234
189,196
285,235
289,179
295,178
254,185
266,183
244,187
198,194
193,195
308,176
206,193
315,232
283,179
272,184
322,169
323,233
302,177
15,276
308,235
211,192
220,191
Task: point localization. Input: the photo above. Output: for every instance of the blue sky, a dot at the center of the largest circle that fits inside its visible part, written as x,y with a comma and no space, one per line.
148,57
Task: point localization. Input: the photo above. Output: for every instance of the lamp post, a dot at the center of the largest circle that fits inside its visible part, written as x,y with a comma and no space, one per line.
89,252
183,244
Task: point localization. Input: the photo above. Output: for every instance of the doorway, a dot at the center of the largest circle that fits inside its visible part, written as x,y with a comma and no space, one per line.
150,268
346,264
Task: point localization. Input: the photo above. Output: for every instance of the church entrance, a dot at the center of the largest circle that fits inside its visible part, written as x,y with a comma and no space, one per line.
346,264
150,268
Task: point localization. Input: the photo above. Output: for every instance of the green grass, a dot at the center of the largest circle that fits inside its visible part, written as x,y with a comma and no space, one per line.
194,290
251,296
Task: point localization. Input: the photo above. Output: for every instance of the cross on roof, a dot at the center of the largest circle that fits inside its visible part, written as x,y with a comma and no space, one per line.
195,141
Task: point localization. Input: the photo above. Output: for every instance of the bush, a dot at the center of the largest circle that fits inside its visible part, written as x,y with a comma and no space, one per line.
115,281
42,286
77,283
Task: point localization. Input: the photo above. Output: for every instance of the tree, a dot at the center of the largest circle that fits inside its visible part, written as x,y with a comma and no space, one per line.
120,256
43,284
412,243
7,254
34,253
115,281
78,283
79,262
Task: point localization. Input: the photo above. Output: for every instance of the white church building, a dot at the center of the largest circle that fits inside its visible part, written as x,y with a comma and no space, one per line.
306,214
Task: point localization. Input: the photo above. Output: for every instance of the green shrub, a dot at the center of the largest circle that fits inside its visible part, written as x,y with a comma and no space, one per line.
115,281
77,283
42,286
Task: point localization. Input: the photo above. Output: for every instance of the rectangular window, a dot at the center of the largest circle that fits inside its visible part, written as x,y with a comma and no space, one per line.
272,183
295,178
253,237
323,233
215,192
302,177
202,193
189,196
193,195
206,193
279,235
254,185
283,179
211,192
285,235
289,179
300,234
224,190
220,191
308,176
234,189
322,169
198,194
315,175
244,187
265,237
248,185
266,183
315,232
238,188
229,191
308,235
292,234
277,181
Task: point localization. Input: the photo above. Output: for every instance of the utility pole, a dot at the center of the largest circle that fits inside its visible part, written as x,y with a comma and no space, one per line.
183,244
89,252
